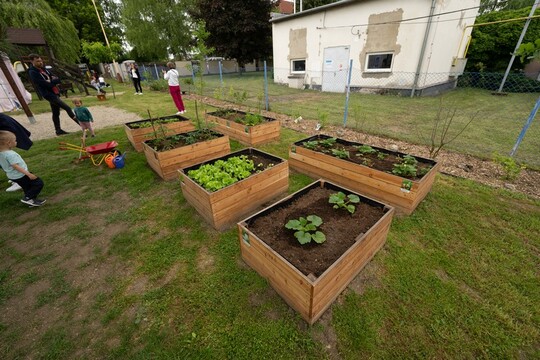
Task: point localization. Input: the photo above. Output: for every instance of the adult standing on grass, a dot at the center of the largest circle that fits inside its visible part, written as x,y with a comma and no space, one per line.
136,77
46,86
174,87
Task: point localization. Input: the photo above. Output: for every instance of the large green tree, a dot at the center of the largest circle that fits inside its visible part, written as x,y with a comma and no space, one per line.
487,6
157,29
238,29
83,15
492,45
59,32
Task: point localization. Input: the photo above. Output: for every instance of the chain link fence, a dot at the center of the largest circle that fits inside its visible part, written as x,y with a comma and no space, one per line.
498,118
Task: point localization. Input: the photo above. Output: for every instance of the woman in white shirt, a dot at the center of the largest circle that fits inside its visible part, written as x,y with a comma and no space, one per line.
174,87
136,77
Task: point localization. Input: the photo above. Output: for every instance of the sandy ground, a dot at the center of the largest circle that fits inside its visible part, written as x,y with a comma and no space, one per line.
103,117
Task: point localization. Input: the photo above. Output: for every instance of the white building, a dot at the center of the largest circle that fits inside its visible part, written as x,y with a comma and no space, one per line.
405,46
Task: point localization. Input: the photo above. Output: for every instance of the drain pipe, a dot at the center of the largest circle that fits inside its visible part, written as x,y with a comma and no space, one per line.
423,50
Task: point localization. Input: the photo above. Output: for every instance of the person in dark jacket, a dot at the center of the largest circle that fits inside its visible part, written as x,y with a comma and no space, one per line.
46,86
136,78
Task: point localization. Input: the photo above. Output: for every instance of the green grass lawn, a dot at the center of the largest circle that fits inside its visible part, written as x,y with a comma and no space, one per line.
117,265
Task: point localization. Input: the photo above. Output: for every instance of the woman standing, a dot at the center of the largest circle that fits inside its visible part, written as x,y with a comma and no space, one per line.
174,87
136,77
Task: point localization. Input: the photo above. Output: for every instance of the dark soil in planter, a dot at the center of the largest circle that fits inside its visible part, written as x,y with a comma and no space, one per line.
147,123
237,116
385,164
179,140
340,227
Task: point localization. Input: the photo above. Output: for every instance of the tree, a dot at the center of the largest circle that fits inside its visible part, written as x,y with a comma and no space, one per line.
83,15
157,28
97,53
238,29
492,45
528,51
59,32
487,6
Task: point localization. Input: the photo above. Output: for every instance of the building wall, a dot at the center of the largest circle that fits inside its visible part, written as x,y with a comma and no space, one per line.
374,26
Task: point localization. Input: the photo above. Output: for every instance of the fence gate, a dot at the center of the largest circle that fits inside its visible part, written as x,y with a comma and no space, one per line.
335,67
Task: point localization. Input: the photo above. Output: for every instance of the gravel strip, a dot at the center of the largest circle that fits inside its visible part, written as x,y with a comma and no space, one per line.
103,117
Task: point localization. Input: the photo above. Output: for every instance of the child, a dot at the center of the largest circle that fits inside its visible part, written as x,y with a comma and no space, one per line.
84,116
17,170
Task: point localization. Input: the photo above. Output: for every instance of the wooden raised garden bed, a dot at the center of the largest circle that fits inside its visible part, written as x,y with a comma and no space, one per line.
309,277
166,163
139,131
370,174
237,124
228,205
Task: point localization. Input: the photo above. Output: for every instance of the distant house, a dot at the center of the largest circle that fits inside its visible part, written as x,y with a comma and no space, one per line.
404,46
285,7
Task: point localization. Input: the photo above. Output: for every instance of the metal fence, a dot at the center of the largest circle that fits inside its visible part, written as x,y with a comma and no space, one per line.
497,124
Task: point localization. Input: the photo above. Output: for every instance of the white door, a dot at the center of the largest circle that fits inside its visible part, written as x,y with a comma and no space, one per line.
335,69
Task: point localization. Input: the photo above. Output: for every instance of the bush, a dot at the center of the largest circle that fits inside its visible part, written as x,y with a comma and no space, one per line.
158,85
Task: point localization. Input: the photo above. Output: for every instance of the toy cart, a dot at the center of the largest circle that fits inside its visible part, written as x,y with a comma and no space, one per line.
97,153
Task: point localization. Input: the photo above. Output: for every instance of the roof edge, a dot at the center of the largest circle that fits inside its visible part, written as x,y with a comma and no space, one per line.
313,11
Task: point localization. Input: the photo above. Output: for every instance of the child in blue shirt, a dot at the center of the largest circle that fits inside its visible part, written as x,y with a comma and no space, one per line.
17,170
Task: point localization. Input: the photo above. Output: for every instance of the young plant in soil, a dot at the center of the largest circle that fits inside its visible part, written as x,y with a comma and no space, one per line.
406,167
223,173
251,119
341,153
340,200
327,143
147,124
311,145
365,149
306,229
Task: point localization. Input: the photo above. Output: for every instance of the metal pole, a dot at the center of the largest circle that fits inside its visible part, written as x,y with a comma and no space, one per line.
116,71
533,9
155,68
527,124
423,50
220,73
267,106
346,112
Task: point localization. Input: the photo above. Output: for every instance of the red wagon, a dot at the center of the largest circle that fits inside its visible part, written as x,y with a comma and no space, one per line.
97,153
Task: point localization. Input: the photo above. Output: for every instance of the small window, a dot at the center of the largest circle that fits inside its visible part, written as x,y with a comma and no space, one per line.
298,66
379,62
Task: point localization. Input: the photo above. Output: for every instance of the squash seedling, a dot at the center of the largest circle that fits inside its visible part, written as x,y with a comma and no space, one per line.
306,229
340,200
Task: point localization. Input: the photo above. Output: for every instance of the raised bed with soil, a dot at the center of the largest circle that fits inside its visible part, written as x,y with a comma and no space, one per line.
369,174
167,156
310,277
224,207
235,124
139,131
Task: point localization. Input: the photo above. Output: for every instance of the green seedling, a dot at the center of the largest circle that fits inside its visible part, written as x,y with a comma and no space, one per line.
340,200
306,229
365,149
312,145
328,143
341,153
